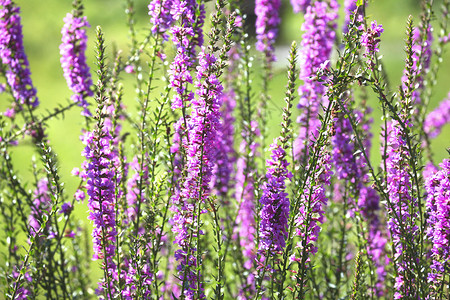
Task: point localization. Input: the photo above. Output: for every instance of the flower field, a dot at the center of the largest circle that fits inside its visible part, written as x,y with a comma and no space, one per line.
221,149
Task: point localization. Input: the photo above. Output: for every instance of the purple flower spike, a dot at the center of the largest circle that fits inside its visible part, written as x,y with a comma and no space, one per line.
133,193
399,189
204,127
267,21
185,37
73,60
275,203
316,46
370,39
245,196
101,199
436,119
438,206
308,221
12,55
225,154
161,16
300,5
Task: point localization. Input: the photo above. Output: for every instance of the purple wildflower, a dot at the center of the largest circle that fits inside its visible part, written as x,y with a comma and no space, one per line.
13,57
401,217
267,21
204,125
185,37
343,150
161,16
25,289
275,203
41,205
225,157
132,282
245,197
438,206
436,119
300,5
370,39
66,208
73,60
317,43
312,203
129,69
133,193
101,189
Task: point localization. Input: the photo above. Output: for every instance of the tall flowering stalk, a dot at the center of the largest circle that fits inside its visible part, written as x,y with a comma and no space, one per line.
185,36
73,59
401,220
403,205
275,204
100,183
204,124
437,187
274,212
13,57
315,50
267,21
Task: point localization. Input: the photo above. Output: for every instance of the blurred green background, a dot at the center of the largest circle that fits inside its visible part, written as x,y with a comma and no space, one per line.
42,23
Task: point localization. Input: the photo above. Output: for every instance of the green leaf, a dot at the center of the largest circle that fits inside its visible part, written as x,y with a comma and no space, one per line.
359,3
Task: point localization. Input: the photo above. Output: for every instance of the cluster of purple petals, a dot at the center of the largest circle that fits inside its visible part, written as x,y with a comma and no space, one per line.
300,5
134,193
421,57
25,290
246,216
41,205
267,21
309,220
438,232
436,119
100,187
13,57
136,276
274,201
203,127
401,216
161,16
225,156
316,46
186,36
343,150
73,60
370,39
245,197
